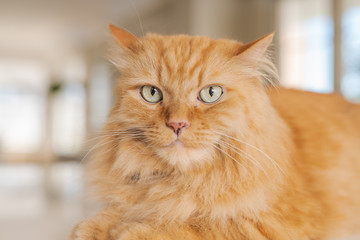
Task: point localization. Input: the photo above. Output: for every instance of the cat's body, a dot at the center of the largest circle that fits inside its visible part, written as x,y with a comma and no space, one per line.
326,132
259,163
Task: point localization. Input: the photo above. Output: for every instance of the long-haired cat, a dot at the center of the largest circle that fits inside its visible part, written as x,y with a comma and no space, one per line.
200,144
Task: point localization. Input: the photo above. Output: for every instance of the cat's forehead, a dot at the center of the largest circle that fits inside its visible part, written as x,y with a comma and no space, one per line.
185,45
184,61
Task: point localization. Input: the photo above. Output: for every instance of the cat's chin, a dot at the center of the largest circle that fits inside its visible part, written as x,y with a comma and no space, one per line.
182,155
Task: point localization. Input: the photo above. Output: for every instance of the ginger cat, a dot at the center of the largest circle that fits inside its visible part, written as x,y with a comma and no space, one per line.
200,144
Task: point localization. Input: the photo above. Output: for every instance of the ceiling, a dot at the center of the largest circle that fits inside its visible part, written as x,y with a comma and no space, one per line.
50,30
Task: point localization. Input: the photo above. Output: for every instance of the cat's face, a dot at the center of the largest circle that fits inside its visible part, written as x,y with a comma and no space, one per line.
178,93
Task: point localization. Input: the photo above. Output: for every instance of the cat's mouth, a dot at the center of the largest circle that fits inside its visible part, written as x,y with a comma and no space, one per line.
180,153
177,143
183,142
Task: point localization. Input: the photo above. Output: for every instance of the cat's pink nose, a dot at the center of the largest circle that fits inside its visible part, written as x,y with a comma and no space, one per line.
177,127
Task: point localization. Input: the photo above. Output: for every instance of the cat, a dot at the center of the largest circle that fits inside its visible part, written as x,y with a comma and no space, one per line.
202,143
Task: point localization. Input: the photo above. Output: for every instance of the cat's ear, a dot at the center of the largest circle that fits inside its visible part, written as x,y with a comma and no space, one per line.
252,52
124,38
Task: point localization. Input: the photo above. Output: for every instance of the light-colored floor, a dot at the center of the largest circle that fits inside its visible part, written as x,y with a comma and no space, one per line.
40,203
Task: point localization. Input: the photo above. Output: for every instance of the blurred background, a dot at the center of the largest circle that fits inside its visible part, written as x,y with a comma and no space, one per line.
56,85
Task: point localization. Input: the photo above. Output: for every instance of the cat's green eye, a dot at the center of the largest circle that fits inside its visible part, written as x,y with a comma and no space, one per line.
211,94
151,94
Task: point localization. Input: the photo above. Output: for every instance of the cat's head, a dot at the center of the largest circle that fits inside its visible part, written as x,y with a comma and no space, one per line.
178,95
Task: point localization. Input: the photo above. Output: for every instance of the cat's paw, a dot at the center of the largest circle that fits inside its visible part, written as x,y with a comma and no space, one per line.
89,230
140,231
137,231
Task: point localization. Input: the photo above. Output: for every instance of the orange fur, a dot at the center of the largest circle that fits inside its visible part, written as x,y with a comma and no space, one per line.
261,163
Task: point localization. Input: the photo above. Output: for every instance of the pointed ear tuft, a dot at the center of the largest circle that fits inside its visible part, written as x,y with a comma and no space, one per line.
121,36
254,51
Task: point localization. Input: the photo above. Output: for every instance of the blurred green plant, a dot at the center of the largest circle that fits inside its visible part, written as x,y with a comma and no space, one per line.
55,88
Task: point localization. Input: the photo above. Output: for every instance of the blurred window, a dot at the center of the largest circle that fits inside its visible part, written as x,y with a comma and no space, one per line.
350,84
69,119
319,55
36,117
307,46
22,106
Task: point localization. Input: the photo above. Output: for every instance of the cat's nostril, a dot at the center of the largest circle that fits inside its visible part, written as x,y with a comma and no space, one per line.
177,127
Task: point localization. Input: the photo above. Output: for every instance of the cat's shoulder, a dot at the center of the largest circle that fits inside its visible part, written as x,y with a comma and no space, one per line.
305,106
290,93
293,97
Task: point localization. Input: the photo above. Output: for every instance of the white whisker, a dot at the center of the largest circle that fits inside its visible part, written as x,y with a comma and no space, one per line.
256,148
228,155
245,155
138,16
99,144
